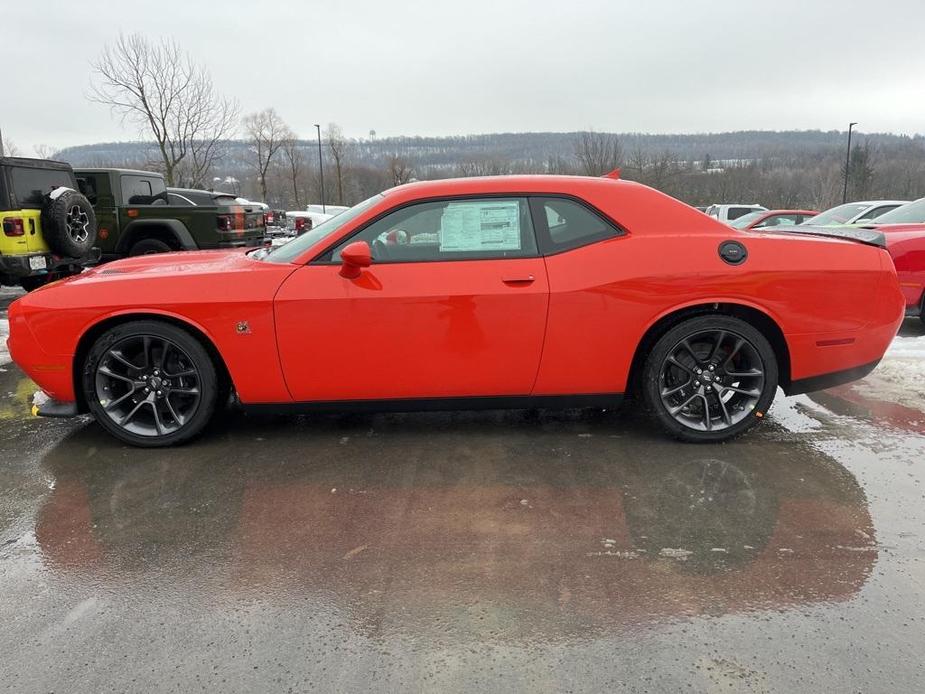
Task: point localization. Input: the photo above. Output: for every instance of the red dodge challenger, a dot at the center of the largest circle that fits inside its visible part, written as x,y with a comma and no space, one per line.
520,291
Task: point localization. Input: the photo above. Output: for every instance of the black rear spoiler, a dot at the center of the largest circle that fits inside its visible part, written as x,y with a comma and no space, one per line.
864,235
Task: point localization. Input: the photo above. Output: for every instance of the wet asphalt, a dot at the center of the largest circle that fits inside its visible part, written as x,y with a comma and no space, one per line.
495,551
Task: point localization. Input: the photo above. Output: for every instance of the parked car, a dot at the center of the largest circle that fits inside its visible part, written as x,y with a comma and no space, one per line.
507,291
138,215
854,212
904,229
300,221
332,210
728,213
48,226
772,218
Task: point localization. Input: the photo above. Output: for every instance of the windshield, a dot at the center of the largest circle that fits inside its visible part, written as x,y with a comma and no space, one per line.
838,215
913,213
746,219
295,248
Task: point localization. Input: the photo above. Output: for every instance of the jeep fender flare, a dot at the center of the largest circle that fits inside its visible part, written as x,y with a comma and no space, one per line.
137,230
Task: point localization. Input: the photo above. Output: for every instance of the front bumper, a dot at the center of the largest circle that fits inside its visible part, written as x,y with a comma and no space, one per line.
45,406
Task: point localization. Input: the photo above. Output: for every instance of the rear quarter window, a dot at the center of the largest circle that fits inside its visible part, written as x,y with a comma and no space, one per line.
564,224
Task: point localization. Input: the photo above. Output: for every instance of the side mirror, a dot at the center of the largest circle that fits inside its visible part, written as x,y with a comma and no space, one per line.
354,258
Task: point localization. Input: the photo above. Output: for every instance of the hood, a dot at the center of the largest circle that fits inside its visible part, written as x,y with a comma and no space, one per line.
167,264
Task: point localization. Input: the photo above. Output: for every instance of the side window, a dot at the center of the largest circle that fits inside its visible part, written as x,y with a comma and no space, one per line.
876,212
569,224
736,212
450,230
141,190
87,186
136,190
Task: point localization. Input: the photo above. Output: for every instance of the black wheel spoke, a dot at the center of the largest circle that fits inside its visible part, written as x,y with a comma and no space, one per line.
707,423
118,356
122,398
677,389
106,371
125,420
721,335
688,369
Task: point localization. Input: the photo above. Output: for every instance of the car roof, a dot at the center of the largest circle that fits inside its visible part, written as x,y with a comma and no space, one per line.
877,202
106,169
35,163
519,184
771,213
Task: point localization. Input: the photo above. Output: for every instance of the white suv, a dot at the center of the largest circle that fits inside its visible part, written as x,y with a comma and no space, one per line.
727,213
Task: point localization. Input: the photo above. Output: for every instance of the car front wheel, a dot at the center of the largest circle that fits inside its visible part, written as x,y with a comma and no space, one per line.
710,378
150,383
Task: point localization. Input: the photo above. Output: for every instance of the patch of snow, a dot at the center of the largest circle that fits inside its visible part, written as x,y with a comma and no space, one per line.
900,376
4,333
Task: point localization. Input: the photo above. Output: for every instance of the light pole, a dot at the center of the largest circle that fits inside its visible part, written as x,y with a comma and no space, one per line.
844,195
321,168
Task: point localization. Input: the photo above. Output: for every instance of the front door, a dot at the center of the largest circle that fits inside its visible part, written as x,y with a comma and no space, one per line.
454,305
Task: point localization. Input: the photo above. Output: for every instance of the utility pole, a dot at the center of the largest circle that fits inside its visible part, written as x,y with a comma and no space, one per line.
321,168
1,143
844,195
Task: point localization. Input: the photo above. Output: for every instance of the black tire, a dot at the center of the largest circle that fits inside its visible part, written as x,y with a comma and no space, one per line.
69,224
171,364
720,404
150,246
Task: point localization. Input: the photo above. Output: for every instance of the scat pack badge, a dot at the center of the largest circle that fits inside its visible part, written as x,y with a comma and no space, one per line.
243,328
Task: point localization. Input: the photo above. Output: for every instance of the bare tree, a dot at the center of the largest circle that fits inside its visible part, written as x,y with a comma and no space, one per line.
295,163
8,148
267,133
45,151
400,170
159,88
598,153
338,144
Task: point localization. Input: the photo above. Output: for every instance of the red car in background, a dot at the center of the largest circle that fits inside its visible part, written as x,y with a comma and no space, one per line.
518,291
762,219
904,229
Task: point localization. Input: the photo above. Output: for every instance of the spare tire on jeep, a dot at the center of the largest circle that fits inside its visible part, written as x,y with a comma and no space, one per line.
68,223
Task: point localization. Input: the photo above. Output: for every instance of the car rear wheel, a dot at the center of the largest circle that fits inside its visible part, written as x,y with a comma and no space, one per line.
710,378
150,384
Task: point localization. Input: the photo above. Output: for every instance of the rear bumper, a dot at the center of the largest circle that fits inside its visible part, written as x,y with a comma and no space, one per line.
830,380
18,266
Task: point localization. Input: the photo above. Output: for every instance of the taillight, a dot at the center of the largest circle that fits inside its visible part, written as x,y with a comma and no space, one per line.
225,222
299,223
13,226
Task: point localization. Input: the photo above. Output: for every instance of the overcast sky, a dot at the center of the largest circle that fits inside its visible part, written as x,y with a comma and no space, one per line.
429,67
